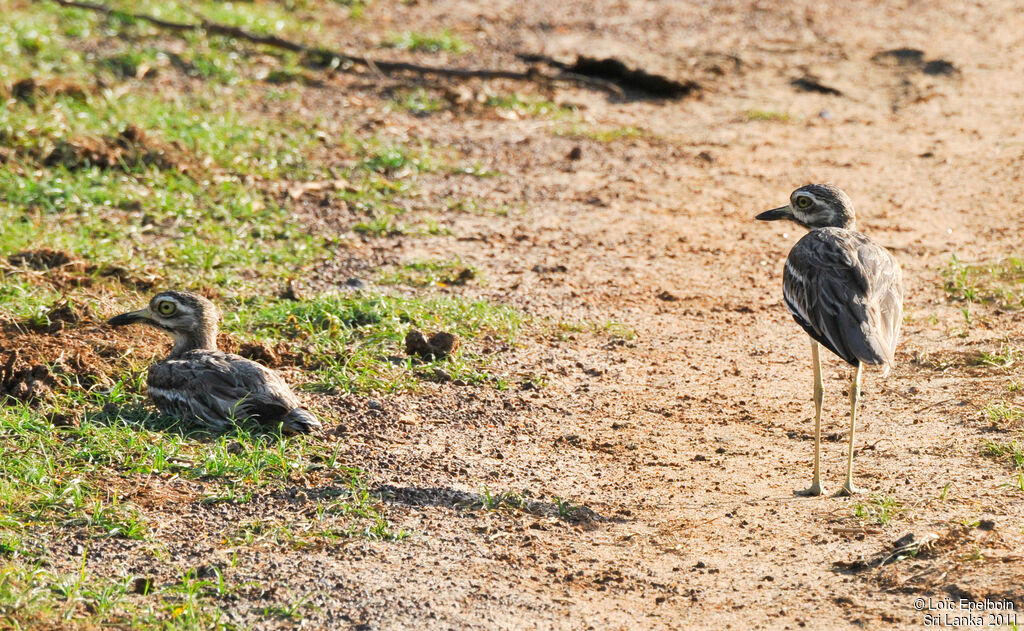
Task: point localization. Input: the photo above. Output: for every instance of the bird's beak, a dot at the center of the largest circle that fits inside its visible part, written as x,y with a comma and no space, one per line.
142,315
782,212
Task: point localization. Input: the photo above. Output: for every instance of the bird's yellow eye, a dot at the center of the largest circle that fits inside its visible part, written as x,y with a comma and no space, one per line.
803,202
166,308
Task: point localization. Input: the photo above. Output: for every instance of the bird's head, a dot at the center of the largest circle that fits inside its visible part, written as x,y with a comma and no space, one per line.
189,318
815,206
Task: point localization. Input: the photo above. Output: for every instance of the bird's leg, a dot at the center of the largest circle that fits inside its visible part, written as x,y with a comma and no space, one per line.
819,396
848,487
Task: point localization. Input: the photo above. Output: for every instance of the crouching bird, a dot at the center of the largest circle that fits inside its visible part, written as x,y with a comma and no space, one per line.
846,292
199,382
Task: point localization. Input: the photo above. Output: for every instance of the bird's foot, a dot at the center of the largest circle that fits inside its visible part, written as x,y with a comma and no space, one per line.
813,491
849,489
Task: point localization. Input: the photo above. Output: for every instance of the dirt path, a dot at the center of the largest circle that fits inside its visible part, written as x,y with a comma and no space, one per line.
688,441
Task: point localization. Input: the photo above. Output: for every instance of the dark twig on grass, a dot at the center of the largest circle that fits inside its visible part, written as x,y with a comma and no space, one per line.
331,58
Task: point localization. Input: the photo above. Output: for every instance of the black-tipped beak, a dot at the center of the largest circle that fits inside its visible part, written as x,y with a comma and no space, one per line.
142,315
783,212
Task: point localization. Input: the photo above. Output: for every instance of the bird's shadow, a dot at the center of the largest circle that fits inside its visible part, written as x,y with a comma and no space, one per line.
446,497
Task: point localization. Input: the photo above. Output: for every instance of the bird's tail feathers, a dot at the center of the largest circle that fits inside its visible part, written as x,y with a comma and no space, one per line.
300,421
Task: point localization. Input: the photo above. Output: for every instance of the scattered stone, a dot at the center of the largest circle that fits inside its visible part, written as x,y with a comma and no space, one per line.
354,284
903,541
442,376
575,154
986,524
234,447
374,404
706,157
549,269
667,296
439,345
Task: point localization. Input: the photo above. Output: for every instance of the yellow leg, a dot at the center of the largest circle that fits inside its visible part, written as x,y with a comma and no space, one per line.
819,396
848,487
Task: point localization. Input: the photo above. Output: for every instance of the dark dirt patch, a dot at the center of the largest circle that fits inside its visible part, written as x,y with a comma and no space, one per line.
914,58
30,89
808,83
130,149
64,270
65,314
29,383
637,81
46,259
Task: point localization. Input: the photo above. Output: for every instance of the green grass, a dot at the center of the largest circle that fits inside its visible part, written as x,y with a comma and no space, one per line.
417,101
768,115
1003,413
34,597
999,283
1005,357
880,509
356,342
602,134
528,106
1010,451
444,41
608,328
429,273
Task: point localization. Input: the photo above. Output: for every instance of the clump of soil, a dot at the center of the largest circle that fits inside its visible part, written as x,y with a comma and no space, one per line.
272,356
67,270
129,149
29,384
437,346
46,259
30,89
259,352
65,314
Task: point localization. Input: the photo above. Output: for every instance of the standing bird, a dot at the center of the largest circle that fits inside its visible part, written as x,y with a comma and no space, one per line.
198,381
845,290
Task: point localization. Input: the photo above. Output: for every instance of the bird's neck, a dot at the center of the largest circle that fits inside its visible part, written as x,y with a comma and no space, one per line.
194,341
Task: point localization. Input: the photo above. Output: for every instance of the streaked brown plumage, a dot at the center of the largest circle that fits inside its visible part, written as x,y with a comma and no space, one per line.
845,291
199,382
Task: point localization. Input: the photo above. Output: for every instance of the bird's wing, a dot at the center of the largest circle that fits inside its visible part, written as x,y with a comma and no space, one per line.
845,291
219,388
884,297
